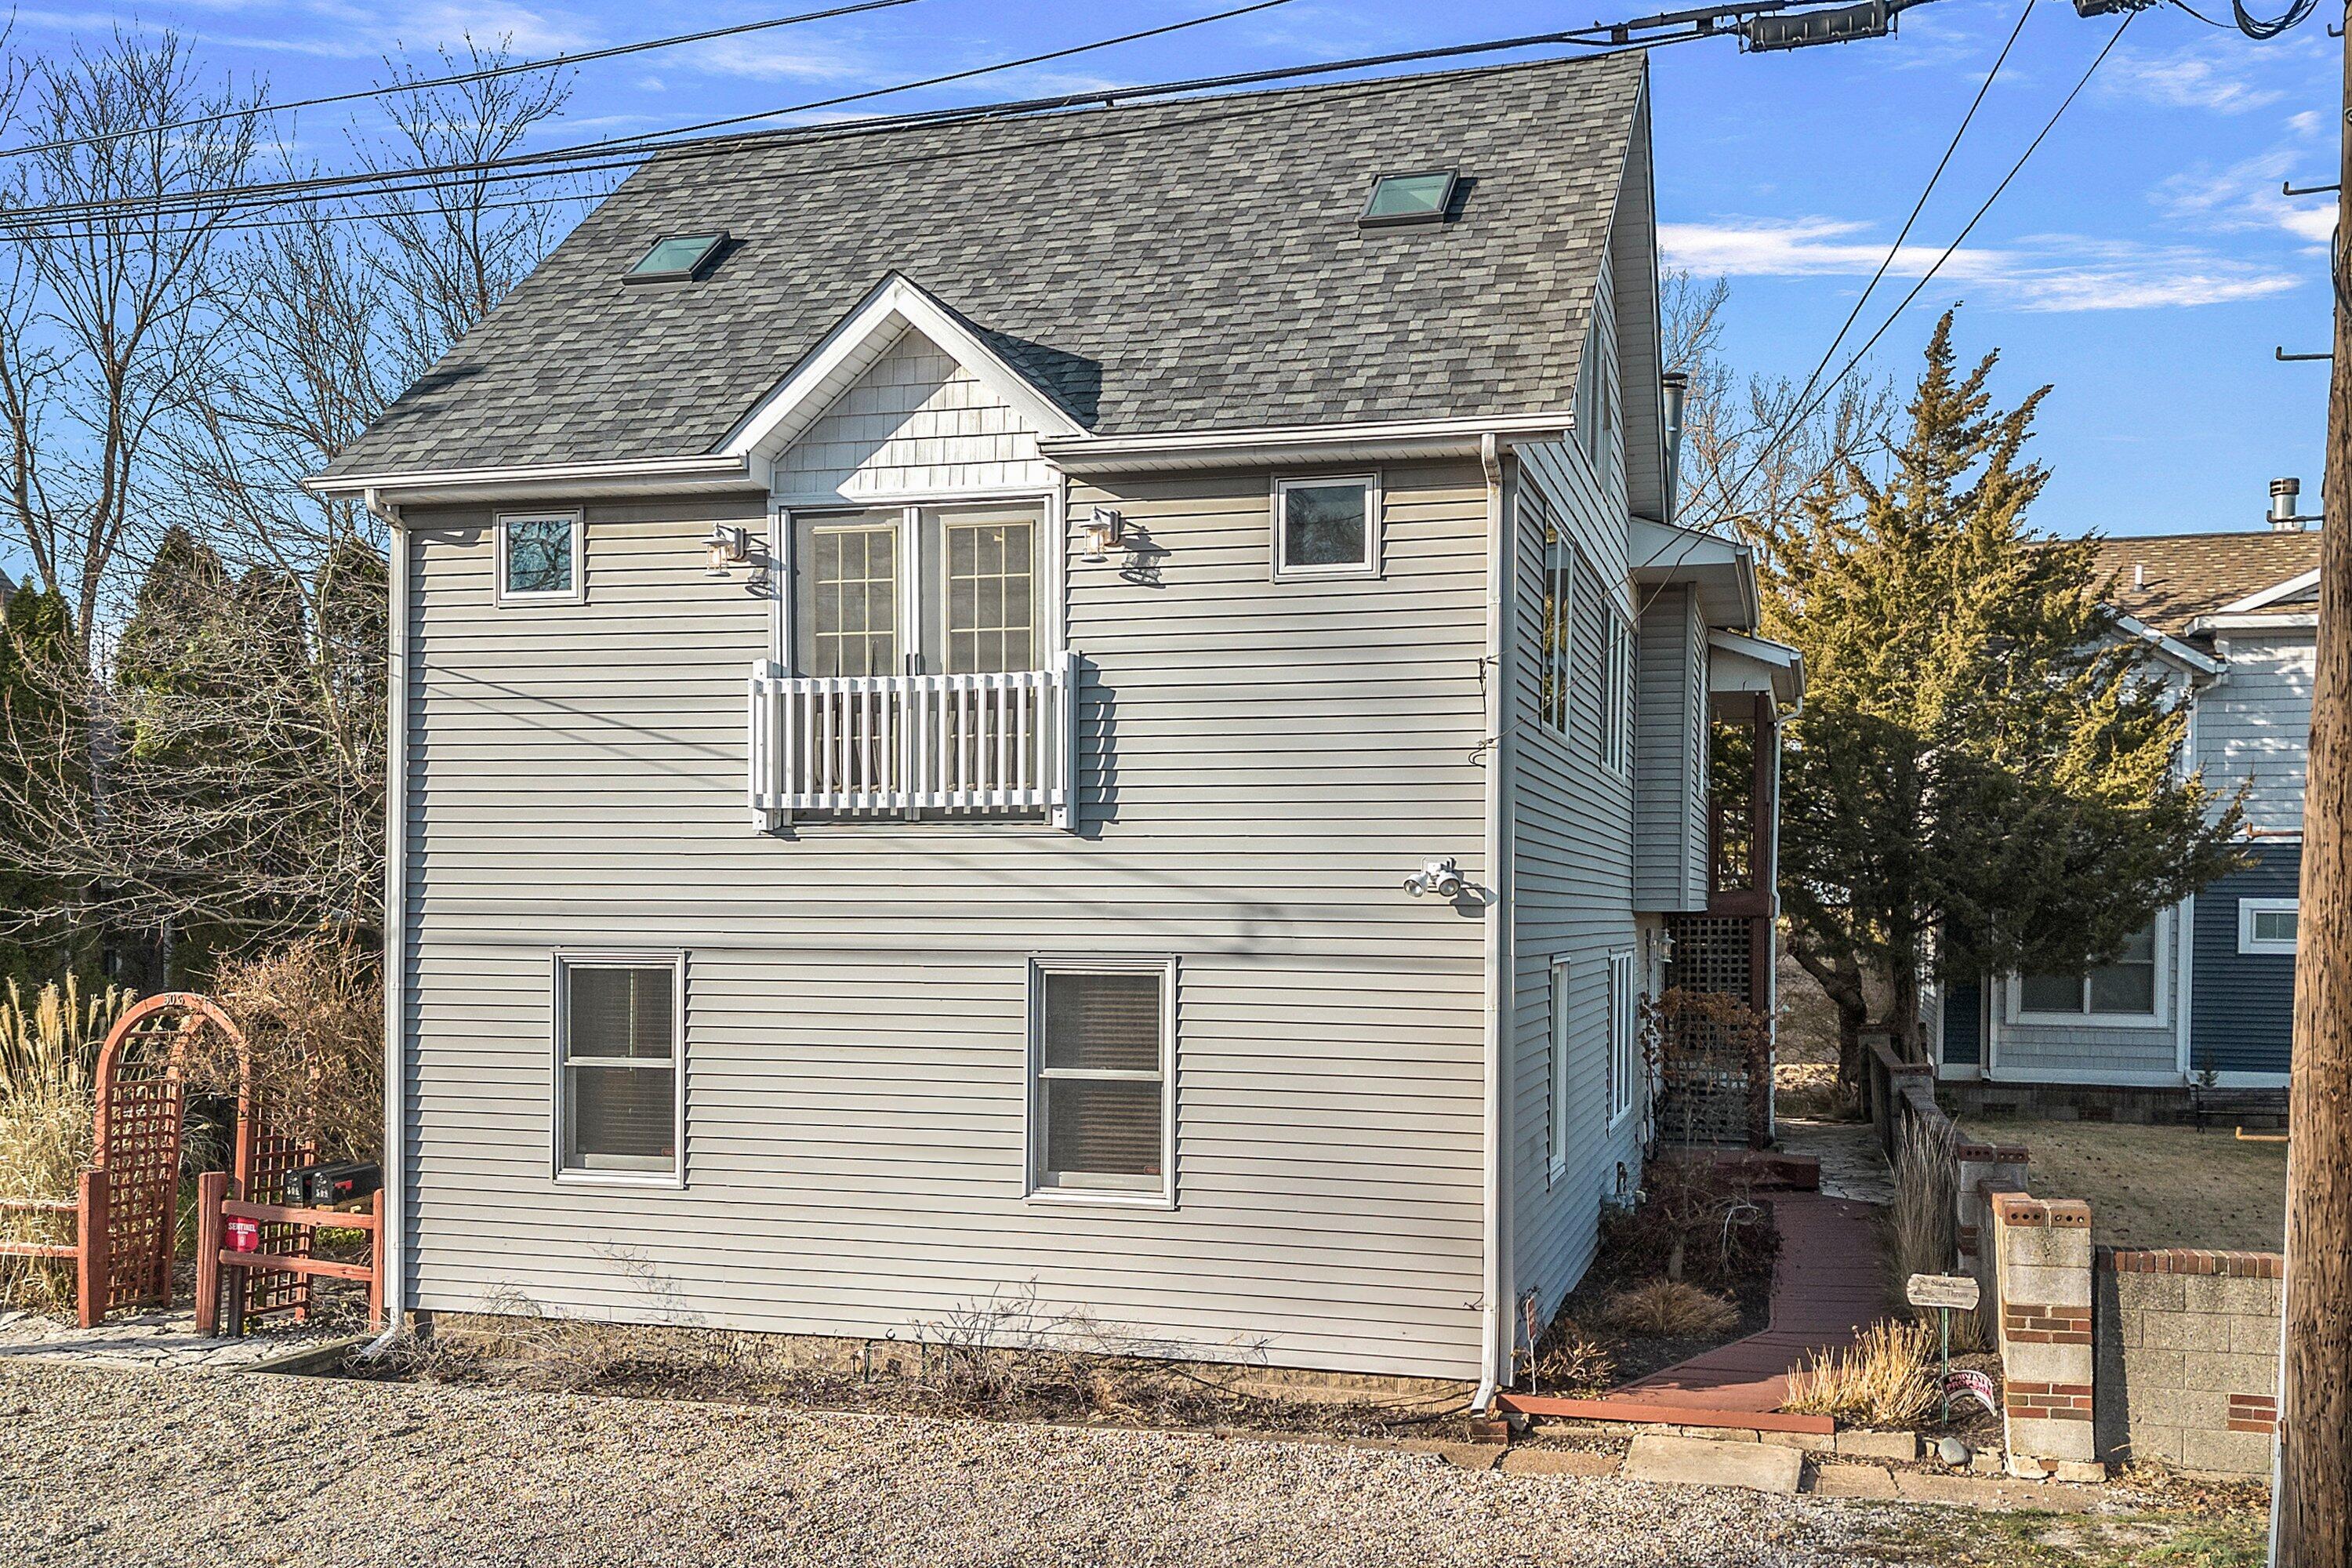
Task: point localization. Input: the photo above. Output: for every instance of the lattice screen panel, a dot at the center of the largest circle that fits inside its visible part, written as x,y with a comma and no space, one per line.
1710,955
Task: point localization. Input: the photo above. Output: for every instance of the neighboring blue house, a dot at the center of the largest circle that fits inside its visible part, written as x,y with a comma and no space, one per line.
2210,986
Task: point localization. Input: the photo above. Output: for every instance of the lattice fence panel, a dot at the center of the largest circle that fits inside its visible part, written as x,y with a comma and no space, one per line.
142,1161
272,1156
1710,955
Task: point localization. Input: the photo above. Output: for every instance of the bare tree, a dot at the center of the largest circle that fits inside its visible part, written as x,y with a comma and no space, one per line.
452,249
1754,447
108,313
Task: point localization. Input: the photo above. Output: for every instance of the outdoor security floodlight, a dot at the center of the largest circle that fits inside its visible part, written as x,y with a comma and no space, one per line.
727,547
1104,529
1439,877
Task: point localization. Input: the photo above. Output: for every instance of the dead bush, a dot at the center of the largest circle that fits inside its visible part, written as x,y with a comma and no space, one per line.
1670,1308
1567,1359
1881,1380
1692,1222
312,1015
1811,1091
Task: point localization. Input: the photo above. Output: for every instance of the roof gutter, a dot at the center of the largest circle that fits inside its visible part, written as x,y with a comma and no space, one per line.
2304,621
537,480
1388,439
2171,646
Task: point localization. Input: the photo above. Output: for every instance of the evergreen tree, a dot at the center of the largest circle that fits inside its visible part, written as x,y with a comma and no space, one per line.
1983,776
41,762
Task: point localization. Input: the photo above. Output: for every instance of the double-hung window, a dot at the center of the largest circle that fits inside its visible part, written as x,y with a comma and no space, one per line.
2267,925
2129,989
1101,1054
919,591
1557,681
1617,694
1623,1058
538,558
1327,526
1556,1127
619,1093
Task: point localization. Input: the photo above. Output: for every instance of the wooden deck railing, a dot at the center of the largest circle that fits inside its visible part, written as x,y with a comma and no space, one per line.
959,743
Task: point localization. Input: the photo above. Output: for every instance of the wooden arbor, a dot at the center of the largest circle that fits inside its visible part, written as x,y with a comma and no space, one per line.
125,1214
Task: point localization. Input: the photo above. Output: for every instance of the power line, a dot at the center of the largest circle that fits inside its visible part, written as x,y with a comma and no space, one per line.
628,150
553,62
2049,125
1678,27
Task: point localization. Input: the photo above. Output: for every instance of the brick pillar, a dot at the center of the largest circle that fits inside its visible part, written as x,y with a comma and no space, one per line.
2041,1256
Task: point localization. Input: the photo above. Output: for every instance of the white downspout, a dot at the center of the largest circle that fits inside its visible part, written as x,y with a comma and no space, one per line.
1496,1321
395,926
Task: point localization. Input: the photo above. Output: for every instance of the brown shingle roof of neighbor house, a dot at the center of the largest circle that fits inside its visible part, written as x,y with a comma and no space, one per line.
2167,580
1193,265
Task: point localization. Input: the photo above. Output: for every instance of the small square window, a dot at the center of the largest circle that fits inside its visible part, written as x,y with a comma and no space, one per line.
617,1056
1422,197
538,559
676,256
1326,528
2268,925
1100,1041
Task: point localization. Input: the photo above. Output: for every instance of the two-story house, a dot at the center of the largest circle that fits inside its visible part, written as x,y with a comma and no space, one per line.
1104,704
2207,993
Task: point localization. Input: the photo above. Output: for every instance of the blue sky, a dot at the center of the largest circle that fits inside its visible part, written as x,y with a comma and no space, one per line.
2144,263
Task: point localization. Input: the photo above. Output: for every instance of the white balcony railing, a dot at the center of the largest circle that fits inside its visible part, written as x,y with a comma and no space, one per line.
996,743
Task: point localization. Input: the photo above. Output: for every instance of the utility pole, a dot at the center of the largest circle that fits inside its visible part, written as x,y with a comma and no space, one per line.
2312,1503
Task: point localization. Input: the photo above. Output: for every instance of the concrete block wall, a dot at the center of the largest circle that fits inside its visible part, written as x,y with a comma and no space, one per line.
2187,1354
2041,1264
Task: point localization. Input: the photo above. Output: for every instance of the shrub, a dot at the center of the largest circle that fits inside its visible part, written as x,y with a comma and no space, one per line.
1881,1380
48,1055
1694,1222
312,1015
1566,1358
1671,1308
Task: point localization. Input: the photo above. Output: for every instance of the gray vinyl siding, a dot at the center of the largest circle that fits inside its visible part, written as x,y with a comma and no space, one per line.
1670,799
2056,1050
2242,1006
2255,725
1573,835
1261,766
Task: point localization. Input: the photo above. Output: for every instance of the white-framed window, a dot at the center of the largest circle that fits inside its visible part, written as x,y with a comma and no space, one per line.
1617,721
1102,1053
1624,1069
1327,526
538,558
1557,683
2268,925
2129,991
620,1083
1555,1123
920,590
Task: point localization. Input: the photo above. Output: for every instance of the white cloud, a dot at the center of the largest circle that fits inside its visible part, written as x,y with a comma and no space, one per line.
2246,197
2225,86
2040,272
760,59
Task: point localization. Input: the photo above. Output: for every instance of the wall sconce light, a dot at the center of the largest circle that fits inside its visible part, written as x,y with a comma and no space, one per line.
727,547
1104,529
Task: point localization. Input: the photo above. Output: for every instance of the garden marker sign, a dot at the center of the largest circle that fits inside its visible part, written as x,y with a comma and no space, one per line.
1943,1292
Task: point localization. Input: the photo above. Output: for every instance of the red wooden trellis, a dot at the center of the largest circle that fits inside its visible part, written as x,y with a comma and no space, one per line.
126,1213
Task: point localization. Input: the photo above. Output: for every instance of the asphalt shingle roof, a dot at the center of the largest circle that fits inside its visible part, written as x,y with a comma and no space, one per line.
2169,580
1194,264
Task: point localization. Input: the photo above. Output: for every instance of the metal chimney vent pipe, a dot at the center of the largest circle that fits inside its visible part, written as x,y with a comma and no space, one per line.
2284,493
1675,386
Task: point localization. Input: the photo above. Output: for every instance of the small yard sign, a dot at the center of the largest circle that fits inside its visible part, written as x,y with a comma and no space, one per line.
1942,1290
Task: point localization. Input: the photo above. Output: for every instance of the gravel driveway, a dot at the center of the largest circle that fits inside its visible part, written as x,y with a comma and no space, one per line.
124,1468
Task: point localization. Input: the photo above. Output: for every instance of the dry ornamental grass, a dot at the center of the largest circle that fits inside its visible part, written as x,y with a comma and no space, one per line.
1671,1308
1881,1380
49,1054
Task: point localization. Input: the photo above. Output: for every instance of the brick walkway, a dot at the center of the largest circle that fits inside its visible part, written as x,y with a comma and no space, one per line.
1829,1282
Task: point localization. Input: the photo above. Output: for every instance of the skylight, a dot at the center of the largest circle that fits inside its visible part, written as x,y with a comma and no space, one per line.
676,256
1409,198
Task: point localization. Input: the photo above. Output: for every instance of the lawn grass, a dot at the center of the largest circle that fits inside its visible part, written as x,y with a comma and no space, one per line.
1954,1537
2135,1177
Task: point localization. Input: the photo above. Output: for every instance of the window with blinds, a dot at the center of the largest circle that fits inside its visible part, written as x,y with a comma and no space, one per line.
1557,663
1555,1128
619,1067
1098,1103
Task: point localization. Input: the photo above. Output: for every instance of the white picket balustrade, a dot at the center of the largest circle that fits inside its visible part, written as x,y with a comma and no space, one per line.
998,741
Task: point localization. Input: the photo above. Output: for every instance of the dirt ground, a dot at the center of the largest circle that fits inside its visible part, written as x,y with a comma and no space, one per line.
2157,1187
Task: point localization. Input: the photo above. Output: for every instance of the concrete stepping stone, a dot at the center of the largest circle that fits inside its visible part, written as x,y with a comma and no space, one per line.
1703,1462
